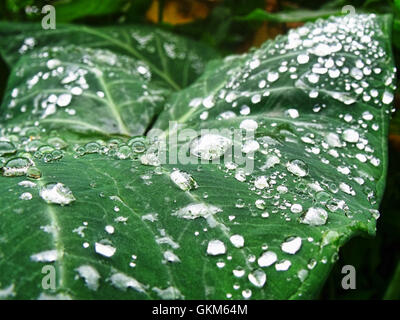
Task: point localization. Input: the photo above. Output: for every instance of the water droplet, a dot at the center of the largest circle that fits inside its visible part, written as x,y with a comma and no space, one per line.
283,265
261,182
183,180
240,175
123,282
292,113
16,167
296,208
351,135
45,256
216,247
237,240
315,216
297,167
291,245
33,173
196,210
57,193
171,257
7,148
90,275
26,196
302,274
258,278
109,229
260,204
249,124
105,250
238,272
303,58
387,97
267,258
64,99
272,76
246,294
250,146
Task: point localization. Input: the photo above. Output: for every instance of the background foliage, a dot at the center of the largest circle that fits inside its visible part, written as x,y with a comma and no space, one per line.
235,26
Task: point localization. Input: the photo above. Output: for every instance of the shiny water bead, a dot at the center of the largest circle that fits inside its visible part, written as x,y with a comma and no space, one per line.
258,278
267,258
291,245
315,216
210,146
16,167
56,193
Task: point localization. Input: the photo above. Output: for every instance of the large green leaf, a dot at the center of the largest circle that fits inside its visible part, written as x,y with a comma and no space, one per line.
89,90
174,60
313,109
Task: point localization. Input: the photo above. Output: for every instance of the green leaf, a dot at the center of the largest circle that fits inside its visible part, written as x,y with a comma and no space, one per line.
288,16
174,60
117,220
86,90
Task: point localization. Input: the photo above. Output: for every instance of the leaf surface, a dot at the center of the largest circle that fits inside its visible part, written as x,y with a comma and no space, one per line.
175,61
310,113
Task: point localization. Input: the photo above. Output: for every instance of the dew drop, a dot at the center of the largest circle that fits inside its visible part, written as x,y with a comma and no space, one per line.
104,249
267,258
297,167
56,193
351,135
237,240
90,275
315,216
16,167
216,247
291,245
7,148
210,146
258,278
183,180
283,265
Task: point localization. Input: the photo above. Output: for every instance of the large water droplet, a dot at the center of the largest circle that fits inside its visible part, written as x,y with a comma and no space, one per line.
267,258
283,265
183,180
351,135
57,193
216,247
6,148
315,216
237,240
16,167
90,275
210,146
105,250
291,245
258,278
297,167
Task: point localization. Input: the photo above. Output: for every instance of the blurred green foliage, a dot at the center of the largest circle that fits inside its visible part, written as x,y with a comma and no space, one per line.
230,27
